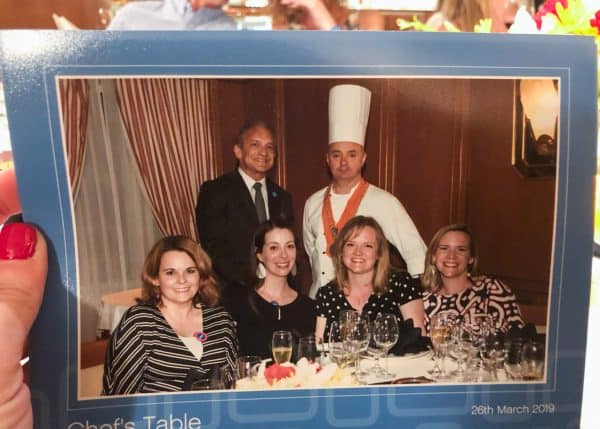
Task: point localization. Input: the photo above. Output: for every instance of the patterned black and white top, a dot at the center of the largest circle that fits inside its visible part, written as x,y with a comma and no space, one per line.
487,296
401,290
146,355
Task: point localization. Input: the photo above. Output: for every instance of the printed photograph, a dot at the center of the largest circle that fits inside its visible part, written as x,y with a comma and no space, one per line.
290,233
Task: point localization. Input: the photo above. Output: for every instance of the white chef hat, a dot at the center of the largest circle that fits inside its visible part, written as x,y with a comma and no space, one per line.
348,113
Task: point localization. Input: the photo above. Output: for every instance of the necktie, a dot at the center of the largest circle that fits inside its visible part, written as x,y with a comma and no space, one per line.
259,202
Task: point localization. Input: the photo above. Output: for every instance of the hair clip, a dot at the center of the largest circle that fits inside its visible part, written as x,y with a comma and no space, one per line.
200,336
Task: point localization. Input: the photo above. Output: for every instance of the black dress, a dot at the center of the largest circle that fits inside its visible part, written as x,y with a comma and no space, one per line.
257,319
401,290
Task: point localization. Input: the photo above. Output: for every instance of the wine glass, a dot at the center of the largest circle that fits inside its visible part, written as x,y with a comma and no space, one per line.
307,348
247,366
480,325
356,335
376,352
335,344
440,328
461,347
385,334
532,360
512,363
347,316
282,346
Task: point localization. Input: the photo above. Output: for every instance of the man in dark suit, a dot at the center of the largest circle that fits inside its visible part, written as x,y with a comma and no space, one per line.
228,209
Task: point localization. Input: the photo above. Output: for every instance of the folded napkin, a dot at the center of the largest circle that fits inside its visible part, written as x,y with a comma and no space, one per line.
410,339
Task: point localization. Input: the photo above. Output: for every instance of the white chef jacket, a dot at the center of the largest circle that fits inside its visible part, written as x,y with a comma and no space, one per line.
398,227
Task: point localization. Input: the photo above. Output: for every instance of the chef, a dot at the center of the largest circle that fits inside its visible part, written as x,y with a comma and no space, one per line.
349,194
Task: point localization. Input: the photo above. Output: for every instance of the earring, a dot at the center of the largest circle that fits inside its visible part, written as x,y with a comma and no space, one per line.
261,272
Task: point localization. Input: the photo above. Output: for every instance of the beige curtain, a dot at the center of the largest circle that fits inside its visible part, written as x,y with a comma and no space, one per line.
169,128
74,112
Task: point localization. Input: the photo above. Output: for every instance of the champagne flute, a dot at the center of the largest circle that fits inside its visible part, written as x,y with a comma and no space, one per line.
440,332
386,335
281,344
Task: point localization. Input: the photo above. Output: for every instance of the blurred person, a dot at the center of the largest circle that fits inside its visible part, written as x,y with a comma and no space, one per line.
308,15
172,15
466,14
322,15
453,286
349,194
364,280
270,303
231,207
177,326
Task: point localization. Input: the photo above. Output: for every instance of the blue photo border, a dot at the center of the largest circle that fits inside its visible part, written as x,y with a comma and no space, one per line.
32,61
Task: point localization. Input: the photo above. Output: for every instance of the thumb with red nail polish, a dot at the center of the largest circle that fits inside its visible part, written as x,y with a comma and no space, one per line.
23,268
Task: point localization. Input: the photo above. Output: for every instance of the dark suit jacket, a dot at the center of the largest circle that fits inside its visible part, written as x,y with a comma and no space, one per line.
226,219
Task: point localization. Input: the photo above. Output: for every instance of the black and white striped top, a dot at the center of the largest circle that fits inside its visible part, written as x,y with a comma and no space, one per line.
146,355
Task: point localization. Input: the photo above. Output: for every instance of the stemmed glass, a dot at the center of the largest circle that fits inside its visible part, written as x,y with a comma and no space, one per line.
532,360
335,344
461,346
347,316
385,335
376,370
480,325
512,363
494,352
356,337
282,346
440,329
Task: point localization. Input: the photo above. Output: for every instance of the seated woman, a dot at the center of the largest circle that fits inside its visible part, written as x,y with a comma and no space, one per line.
270,304
451,284
363,278
176,327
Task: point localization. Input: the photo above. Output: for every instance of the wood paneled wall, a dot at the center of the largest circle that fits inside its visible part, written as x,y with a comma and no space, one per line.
442,146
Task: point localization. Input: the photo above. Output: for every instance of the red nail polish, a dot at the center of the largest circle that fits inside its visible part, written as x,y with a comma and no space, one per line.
17,241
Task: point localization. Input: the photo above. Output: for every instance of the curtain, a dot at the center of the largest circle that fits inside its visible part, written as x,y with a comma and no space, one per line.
168,123
74,115
114,225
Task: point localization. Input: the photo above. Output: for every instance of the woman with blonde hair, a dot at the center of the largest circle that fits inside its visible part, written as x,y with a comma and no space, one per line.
453,286
464,15
176,329
364,280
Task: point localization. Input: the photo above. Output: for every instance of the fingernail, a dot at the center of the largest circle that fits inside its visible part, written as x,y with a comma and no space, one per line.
17,241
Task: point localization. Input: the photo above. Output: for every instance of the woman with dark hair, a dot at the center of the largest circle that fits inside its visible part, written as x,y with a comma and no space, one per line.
177,326
364,280
269,303
452,285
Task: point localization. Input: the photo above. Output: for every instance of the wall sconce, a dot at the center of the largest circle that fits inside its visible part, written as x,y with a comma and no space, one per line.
537,107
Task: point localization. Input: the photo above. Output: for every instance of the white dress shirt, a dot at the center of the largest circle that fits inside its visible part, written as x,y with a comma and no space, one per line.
169,15
249,181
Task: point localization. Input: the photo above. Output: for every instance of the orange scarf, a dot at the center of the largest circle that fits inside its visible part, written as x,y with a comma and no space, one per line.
332,228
